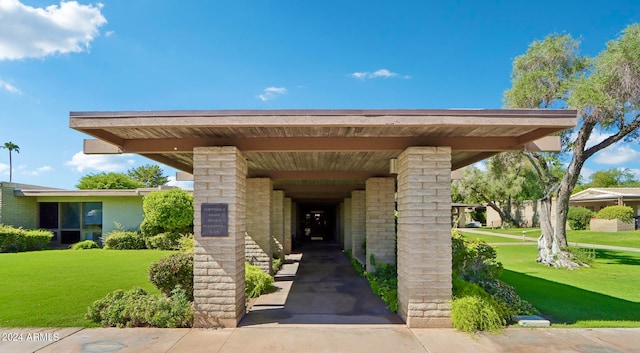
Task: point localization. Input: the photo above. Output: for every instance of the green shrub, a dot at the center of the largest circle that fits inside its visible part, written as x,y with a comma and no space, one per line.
187,243
85,244
507,299
163,241
11,239
167,211
473,260
384,283
138,308
579,217
37,239
18,239
623,213
172,271
471,314
277,264
257,282
123,240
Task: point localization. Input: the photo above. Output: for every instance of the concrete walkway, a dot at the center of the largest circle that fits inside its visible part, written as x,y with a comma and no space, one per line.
528,240
321,306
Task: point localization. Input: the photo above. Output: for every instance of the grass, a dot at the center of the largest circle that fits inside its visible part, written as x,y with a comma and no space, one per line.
489,238
627,239
605,295
54,288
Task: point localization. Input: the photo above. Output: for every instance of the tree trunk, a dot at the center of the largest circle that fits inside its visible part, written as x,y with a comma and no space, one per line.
550,249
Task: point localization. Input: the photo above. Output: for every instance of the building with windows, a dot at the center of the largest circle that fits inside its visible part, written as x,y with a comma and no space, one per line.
72,215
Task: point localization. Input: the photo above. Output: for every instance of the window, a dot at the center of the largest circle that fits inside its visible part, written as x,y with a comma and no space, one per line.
74,221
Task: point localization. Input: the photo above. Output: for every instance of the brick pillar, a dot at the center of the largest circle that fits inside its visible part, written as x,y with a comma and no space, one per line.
424,236
380,221
219,293
258,241
277,223
294,222
358,224
287,225
348,239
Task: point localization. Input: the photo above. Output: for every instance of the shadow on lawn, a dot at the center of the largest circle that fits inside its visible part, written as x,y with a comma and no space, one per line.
561,303
617,257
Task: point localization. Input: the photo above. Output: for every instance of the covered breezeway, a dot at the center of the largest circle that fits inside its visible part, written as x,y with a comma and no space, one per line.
257,174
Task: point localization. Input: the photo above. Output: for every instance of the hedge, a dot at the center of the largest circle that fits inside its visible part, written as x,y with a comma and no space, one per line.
18,239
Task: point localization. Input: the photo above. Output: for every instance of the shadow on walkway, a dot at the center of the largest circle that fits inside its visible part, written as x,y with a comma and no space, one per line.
325,289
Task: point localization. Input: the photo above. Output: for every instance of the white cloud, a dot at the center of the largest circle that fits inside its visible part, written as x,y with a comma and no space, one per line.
37,171
616,155
636,173
186,185
36,32
595,138
9,87
4,169
100,162
585,173
270,93
382,73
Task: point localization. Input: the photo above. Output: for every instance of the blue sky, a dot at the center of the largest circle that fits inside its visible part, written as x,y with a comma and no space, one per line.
57,57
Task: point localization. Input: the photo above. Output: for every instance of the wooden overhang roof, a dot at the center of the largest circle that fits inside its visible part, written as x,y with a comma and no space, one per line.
319,154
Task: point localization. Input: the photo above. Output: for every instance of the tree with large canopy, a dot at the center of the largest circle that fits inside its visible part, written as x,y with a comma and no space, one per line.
605,91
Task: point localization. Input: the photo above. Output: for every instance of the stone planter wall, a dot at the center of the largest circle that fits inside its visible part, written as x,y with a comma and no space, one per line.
610,225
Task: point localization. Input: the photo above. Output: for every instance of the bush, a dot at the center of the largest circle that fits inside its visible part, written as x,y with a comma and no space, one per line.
187,243
473,260
138,308
17,239
11,239
384,283
167,211
257,282
172,271
85,244
163,241
623,213
471,314
120,239
579,217
507,299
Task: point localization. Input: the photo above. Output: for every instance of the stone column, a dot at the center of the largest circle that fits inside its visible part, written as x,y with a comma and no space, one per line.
218,278
424,236
358,224
340,224
258,240
348,240
287,225
380,221
277,223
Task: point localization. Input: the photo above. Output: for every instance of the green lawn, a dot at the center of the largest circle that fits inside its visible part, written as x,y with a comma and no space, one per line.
489,238
54,288
626,239
605,295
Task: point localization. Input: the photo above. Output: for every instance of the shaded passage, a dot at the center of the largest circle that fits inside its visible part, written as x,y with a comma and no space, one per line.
323,288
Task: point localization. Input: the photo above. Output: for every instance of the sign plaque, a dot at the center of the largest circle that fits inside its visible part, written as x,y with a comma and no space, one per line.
215,220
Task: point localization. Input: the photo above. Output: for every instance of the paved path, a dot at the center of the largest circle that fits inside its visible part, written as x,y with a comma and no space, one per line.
321,306
531,239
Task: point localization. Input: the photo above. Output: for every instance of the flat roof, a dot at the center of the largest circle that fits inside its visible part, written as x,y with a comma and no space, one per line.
332,150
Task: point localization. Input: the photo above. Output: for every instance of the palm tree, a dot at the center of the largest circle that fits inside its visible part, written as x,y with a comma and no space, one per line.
11,147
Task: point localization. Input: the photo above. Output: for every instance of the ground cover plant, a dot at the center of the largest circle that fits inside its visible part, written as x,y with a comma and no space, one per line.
604,295
54,288
491,238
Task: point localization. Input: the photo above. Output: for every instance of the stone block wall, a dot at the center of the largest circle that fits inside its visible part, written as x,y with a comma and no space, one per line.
287,226
358,224
219,285
380,221
277,223
610,225
259,221
424,236
348,237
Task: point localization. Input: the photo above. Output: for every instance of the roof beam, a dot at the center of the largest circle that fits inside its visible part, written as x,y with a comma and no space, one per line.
320,144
